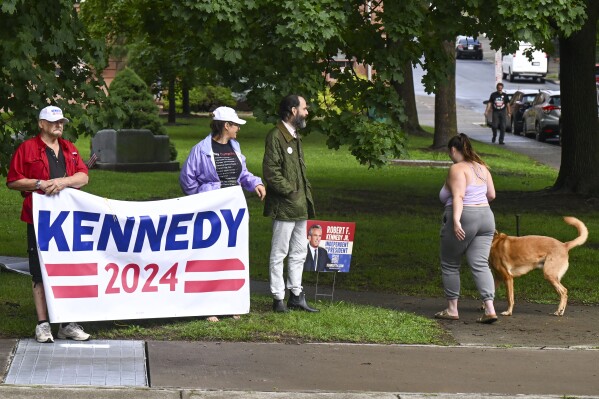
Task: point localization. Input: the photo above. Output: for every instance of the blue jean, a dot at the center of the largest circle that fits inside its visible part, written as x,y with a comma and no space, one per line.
499,121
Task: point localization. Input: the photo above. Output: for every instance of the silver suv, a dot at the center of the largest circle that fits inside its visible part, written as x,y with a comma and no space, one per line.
543,117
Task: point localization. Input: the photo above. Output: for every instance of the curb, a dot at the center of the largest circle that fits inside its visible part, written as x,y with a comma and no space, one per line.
43,392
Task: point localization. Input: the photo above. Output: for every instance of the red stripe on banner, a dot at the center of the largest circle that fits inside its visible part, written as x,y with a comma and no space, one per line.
213,286
71,269
217,265
75,291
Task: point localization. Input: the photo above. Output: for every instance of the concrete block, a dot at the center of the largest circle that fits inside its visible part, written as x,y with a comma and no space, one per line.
132,150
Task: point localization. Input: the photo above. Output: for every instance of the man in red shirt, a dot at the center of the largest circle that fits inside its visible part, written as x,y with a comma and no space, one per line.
46,164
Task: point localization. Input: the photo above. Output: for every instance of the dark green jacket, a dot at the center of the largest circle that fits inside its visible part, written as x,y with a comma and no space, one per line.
288,191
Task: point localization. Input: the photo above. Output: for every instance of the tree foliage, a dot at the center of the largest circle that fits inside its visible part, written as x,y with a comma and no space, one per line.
151,35
275,47
281,47
46,57
271,48
130,105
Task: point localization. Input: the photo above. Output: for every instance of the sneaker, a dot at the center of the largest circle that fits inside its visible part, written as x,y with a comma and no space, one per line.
43,333
73,331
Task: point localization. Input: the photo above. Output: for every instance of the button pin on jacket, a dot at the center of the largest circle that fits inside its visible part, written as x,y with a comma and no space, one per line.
290,150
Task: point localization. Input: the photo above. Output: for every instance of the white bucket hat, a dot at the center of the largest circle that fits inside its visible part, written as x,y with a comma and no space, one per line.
227,114
52,114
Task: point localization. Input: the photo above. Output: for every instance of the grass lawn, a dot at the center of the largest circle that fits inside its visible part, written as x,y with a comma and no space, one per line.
397,215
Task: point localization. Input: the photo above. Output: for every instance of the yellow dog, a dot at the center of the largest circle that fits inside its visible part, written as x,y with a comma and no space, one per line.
515,256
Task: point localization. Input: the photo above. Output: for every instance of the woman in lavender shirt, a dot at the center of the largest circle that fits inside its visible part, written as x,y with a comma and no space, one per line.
216,162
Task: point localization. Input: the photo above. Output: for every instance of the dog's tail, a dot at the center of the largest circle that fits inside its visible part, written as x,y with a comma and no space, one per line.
583,233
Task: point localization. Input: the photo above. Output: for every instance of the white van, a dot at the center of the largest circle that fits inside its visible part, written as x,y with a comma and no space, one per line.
518,64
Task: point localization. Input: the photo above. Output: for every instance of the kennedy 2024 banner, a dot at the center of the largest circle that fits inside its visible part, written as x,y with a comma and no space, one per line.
104,259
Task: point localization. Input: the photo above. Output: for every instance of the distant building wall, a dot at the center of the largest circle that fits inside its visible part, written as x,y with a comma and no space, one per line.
114,66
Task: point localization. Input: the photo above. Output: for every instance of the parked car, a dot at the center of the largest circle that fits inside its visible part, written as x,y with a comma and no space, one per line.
520,102
489,115
468,47
518,65
543,117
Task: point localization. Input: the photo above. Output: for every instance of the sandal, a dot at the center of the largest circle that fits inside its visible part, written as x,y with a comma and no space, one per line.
487,319
445,315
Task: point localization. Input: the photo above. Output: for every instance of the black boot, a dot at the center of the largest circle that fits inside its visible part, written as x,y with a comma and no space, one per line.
278,305
299,302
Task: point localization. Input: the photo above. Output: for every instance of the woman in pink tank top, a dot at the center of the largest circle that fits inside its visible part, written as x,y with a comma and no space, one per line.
468,227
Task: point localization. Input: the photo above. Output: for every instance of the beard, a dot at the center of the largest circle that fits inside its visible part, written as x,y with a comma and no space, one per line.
299,122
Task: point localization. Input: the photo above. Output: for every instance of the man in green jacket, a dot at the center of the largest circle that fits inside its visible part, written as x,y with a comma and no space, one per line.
288,202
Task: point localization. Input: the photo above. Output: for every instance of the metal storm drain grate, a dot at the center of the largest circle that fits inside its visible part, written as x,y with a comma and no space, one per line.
96,362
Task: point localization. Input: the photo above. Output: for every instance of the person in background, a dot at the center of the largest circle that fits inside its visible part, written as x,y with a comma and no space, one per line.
499,105
46,164
468,227
288,202
217,162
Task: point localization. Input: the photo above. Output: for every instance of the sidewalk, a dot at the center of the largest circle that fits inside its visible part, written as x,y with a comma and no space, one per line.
256,370
483,364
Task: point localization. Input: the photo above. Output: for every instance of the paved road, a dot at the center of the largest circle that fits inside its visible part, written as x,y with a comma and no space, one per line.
475,81
217,369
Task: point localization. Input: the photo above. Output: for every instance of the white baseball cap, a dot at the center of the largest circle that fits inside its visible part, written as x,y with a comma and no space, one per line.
227,114
52,114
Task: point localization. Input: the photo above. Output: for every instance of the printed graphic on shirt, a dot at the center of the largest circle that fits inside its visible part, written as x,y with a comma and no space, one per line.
228,166
498,100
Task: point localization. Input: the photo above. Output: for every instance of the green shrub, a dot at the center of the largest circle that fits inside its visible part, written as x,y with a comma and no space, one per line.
140,110
204,98
130,105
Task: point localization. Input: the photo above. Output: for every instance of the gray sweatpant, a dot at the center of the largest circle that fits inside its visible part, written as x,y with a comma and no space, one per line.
479,224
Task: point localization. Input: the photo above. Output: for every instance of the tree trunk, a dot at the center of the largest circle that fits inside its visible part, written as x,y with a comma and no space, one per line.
446,124
185,94
172,106
405,91
579,170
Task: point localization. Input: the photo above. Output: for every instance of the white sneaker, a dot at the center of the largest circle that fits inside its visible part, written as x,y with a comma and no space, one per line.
73,331
43,333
